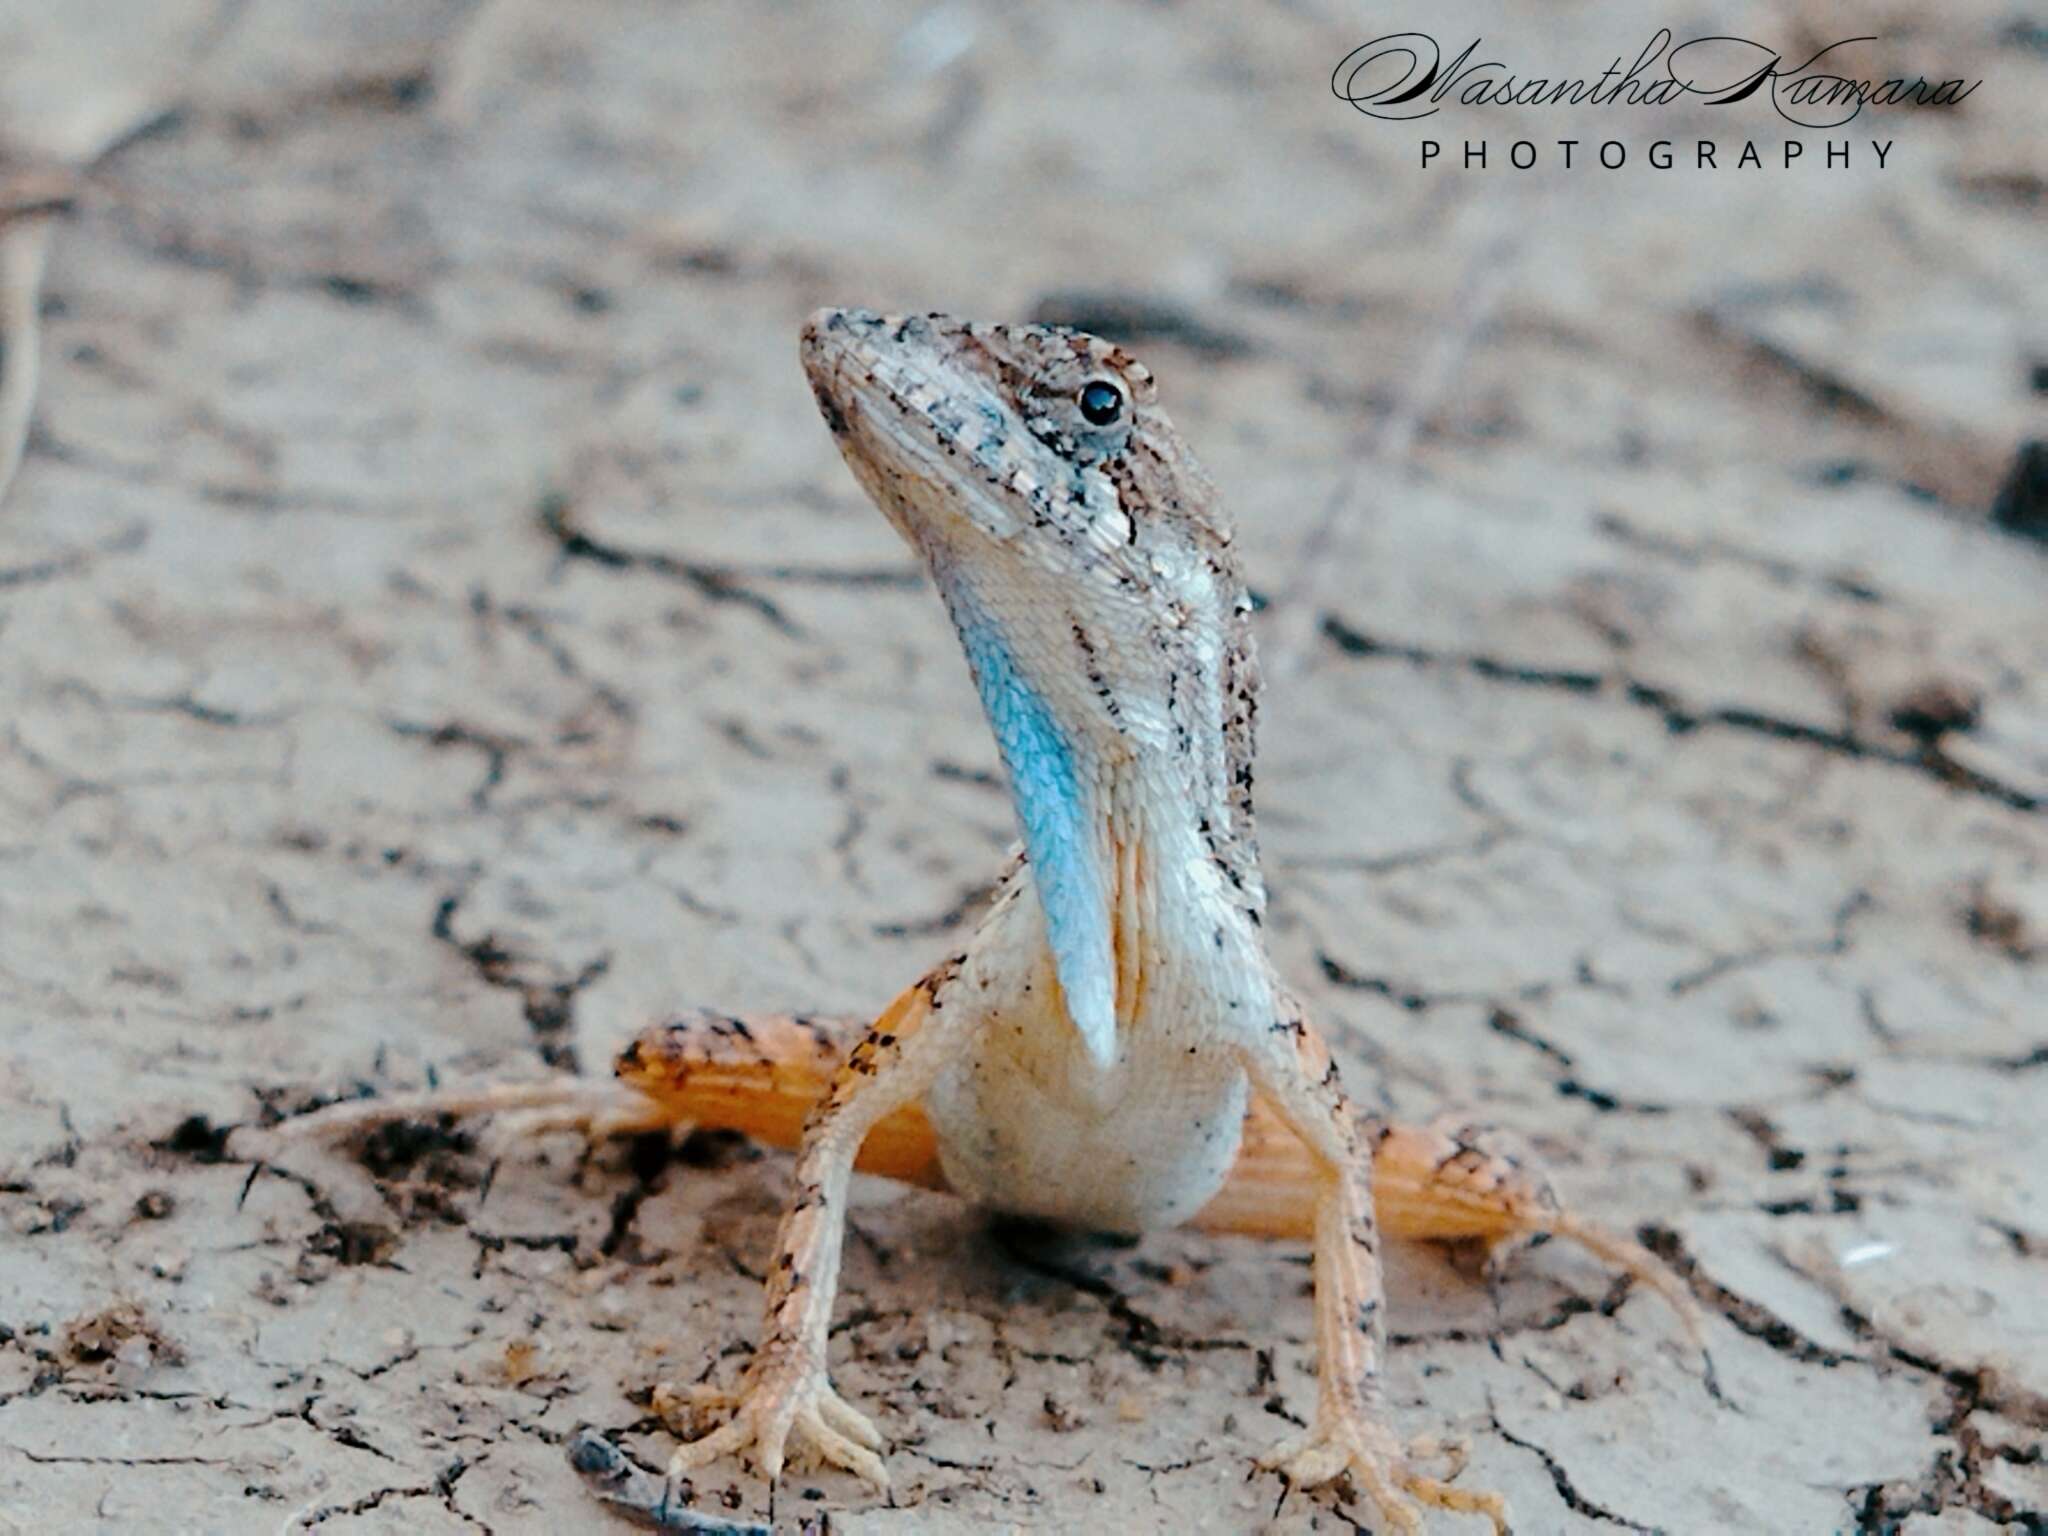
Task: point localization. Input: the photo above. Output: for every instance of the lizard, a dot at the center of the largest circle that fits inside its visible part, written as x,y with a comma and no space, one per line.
1113,1048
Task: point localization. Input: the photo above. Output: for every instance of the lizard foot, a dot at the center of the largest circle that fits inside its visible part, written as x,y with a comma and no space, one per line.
776,1407
1346,1440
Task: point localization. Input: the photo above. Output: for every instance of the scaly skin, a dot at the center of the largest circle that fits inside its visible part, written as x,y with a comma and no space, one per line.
1112,1048
1102,1031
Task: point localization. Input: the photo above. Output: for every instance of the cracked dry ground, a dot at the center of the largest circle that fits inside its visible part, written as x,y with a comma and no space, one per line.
439,637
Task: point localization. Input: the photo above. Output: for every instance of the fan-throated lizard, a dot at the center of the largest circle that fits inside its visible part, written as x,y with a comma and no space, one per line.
1112,1049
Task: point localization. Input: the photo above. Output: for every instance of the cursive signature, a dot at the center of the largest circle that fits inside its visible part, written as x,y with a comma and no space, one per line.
1402,76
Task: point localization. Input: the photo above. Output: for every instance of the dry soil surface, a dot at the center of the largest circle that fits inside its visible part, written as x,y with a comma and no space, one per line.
437,637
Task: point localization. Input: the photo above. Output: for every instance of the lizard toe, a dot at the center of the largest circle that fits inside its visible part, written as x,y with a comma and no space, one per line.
1348,1442
829,1445
773,1416
848,1420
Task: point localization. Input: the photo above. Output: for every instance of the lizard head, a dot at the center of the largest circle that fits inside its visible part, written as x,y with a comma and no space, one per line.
1083,555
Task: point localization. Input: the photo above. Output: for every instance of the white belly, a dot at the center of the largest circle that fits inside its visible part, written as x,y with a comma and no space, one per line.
1026,1124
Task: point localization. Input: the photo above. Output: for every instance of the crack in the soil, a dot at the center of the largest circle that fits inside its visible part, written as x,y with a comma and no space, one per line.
118,1461
496,749
1750,1317
717,584
205,714
1504,1021
1145,1338
1928,760
1575,1501
1952,1481
1948,465
441,1488
971,898
1571,1307
1507,1023
548,1005
74,561
722,583
534,626
1477,847
1779,572
647,1159
1421,1000
1836,943
1780,1154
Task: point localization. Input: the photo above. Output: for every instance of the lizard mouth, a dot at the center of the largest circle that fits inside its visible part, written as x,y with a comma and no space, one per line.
865,368
918,422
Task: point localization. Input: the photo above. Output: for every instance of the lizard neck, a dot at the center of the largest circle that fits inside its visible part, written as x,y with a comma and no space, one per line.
1179,896
1133,800
1173,816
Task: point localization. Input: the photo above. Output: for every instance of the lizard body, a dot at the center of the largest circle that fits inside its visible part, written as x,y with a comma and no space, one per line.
1112,1048
1089,573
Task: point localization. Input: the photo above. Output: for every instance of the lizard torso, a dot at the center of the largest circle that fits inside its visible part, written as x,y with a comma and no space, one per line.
1087,567
1028,1121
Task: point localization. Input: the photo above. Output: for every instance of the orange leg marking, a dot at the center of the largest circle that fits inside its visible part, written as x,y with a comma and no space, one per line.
763,1076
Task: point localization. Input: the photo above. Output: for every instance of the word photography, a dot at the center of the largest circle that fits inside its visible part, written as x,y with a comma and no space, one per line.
1660,155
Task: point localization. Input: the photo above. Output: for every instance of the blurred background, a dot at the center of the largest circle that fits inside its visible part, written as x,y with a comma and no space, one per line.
437,636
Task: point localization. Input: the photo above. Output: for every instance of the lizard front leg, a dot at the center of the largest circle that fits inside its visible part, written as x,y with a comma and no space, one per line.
785,1397
1293,1069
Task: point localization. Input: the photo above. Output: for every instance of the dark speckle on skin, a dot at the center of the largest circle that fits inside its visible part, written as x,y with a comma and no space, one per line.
835,419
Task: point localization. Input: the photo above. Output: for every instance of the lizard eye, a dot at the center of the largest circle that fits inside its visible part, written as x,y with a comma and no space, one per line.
1101,402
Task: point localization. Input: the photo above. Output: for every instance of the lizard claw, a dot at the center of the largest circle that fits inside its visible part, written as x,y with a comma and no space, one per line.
1345,1440
775,1409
